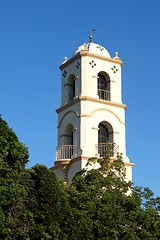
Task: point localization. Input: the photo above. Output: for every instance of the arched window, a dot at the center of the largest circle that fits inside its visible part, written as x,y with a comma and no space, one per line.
105,139
71,87
104,86
68,140
103,135
68,147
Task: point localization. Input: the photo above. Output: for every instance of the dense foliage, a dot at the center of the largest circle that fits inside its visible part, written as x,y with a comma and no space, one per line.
100,204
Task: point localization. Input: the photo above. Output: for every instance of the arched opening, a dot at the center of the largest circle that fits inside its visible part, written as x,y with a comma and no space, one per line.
68,135
103,86
66,150
102,133
71,87
105,139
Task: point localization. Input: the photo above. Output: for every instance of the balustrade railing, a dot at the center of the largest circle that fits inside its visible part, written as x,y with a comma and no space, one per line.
67,152
104,94
111,148
64,152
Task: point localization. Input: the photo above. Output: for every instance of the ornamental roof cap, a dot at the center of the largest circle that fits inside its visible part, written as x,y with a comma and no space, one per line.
93,48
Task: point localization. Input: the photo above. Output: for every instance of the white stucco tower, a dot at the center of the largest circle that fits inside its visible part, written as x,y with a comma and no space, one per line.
91,116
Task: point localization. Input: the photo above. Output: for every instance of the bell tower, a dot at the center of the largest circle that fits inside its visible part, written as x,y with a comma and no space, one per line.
91,117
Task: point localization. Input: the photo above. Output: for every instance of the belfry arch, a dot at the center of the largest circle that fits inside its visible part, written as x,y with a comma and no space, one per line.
105,139
71,87
103,86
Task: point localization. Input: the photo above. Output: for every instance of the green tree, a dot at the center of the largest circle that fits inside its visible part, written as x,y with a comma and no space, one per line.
104,207
50,205
13,194
13,154
33,202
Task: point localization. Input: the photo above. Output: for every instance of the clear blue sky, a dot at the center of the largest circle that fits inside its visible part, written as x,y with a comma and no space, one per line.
35,36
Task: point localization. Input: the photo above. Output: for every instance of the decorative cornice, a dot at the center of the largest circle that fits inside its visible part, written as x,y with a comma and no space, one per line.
65,164
91,99
97,100
85,53
68,105
89,54
66,64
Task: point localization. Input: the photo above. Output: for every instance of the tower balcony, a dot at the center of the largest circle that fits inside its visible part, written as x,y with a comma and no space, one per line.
104,94
102,148
67,152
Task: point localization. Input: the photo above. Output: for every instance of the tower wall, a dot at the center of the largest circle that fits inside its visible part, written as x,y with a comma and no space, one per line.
91,101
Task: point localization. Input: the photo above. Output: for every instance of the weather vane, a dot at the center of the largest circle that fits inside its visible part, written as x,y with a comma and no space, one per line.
90,34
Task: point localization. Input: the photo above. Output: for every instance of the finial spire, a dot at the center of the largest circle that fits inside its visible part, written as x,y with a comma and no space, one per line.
116,56
90,34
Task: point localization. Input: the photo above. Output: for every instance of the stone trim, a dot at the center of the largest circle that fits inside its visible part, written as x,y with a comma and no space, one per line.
91,99
85,53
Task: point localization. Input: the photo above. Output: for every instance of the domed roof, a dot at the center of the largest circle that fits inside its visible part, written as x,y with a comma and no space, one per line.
93,48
